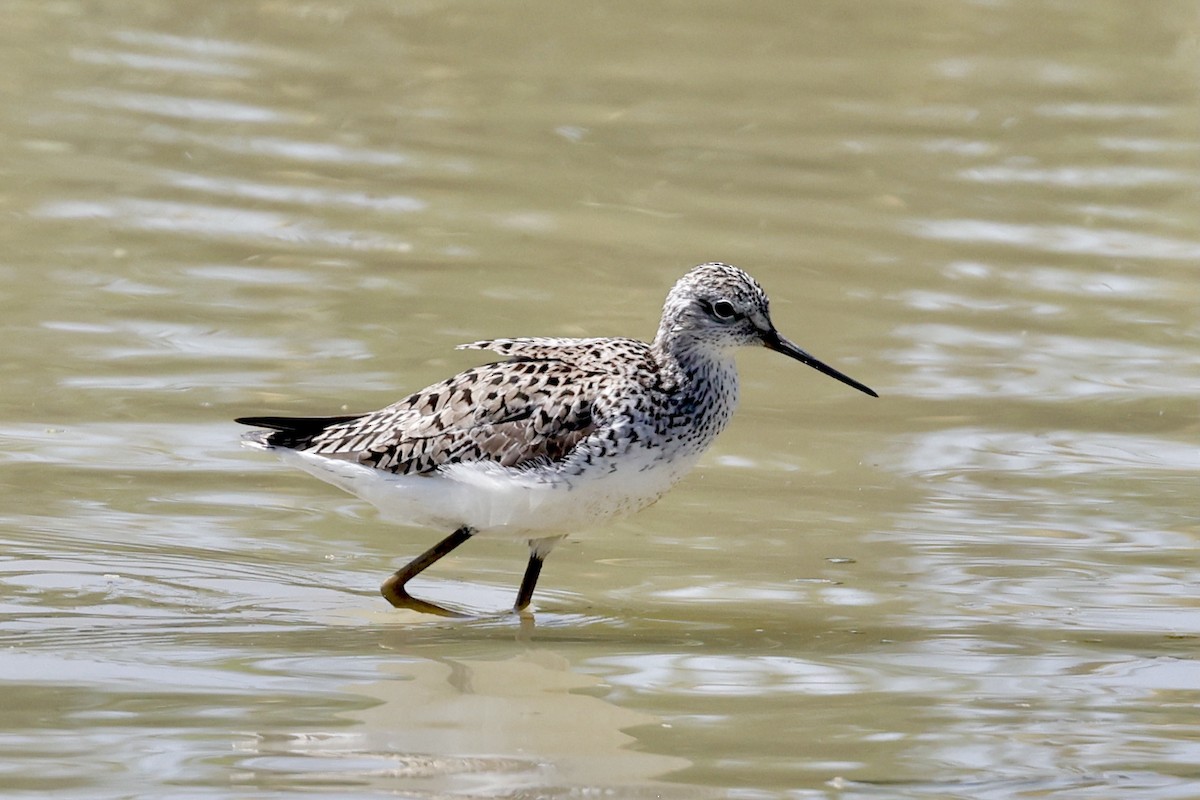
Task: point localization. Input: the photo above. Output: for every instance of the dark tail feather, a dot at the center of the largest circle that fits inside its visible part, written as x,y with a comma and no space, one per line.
291,431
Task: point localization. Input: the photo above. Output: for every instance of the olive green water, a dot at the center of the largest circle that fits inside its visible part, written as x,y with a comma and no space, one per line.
983,584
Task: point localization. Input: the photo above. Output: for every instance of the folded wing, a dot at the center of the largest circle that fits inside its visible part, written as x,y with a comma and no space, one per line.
533,408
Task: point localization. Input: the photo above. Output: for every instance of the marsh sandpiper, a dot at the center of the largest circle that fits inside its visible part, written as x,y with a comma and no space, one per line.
562,435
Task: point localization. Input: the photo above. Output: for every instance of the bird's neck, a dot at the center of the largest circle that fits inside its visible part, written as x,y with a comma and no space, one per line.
704,382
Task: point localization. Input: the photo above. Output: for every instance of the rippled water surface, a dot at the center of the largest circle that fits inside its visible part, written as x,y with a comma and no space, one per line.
982,585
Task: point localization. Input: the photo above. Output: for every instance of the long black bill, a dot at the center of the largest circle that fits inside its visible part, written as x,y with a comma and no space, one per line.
773,340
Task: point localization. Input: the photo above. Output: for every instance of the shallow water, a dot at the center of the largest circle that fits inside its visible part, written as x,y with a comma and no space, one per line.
982,585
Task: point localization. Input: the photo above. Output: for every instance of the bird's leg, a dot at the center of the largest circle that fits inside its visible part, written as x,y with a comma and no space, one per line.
532,571
393,588
538,550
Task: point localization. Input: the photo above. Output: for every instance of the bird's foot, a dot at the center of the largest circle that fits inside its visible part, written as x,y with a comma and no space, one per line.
394,592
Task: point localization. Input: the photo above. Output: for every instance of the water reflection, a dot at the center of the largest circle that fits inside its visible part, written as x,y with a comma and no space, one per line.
480,725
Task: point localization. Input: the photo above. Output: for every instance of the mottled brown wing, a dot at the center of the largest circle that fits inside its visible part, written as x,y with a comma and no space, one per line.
511,413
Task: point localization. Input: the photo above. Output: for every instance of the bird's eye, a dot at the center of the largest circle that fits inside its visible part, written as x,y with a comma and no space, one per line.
723,309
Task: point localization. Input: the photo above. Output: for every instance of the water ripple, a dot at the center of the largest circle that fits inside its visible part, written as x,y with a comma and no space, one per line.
217,223
1069,239
190,108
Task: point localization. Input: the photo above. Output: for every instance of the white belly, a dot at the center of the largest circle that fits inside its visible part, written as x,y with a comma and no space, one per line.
498,500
